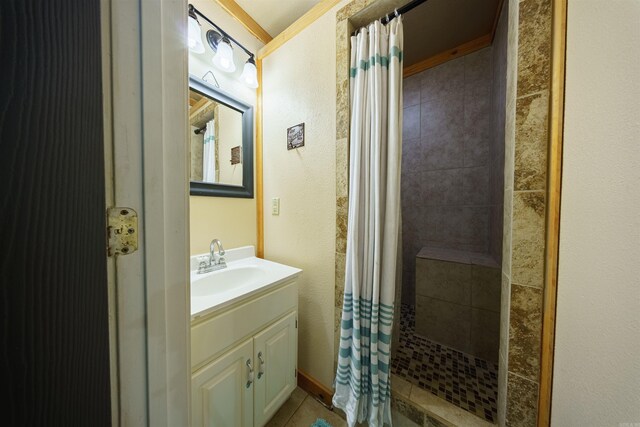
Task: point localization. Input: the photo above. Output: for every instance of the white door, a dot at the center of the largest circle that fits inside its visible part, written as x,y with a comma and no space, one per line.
146,159
222,391
275,352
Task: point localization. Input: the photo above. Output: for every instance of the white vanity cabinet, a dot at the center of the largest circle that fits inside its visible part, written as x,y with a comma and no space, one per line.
244,359
274,351
220,395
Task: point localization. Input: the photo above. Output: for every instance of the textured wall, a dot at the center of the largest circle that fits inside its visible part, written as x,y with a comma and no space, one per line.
451,160
233,221
596,379
299,86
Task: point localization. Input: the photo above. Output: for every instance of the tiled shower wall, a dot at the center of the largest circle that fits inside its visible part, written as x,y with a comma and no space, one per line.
453,157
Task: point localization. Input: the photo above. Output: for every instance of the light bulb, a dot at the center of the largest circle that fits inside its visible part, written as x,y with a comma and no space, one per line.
194,36
223,58
250,74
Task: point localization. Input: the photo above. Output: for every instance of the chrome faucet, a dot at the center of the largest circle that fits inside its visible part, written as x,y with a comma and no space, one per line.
216,260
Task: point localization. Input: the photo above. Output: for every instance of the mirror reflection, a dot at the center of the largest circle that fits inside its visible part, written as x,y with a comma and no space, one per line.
216,141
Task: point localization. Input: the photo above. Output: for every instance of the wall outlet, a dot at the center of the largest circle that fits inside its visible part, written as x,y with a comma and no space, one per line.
275,206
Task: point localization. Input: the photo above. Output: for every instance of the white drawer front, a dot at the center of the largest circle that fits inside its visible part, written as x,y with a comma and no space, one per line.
214,335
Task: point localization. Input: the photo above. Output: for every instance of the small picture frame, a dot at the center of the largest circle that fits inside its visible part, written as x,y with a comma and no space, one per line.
236,155
295,136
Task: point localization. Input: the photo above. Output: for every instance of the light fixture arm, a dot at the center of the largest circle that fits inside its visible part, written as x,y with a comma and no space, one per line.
193,10
192,13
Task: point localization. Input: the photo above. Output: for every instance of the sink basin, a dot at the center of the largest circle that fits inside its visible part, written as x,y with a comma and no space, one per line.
244,275
225,280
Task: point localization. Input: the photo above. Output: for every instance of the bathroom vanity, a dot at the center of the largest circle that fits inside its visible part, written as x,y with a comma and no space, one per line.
244,337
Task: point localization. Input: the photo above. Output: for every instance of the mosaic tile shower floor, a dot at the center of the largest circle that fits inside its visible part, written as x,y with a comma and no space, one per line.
459,378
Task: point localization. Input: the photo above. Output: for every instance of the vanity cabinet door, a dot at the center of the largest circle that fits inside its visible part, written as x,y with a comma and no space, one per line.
275,352
221,394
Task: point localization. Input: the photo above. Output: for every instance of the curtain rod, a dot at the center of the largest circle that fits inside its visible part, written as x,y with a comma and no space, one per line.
192,8
400,11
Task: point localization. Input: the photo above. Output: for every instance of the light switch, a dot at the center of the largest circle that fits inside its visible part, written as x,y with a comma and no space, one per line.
275,206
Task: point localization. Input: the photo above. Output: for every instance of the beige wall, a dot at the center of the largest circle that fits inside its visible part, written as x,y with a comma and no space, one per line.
299,86
233,221
230,220
597,356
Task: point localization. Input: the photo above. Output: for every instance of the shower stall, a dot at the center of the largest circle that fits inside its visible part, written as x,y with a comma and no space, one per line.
447,339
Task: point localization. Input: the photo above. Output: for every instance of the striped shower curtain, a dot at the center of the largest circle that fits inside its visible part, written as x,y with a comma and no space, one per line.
209,153
363,389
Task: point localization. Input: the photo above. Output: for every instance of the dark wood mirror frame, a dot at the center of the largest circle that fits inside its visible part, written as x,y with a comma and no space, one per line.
223,190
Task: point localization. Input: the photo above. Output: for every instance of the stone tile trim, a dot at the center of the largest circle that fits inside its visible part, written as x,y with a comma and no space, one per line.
342,154
525,331
426,410
532,116
528,210
534,46
528,238
522,406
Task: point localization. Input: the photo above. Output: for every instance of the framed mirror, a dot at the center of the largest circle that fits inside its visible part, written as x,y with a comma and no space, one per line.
221,142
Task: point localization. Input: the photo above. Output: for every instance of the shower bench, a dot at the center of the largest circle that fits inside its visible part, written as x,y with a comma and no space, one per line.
458,300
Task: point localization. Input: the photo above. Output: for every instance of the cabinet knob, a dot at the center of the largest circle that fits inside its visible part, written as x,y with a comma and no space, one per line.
250,374
261,368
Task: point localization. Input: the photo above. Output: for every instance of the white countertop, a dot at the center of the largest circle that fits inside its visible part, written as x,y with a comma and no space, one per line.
245,275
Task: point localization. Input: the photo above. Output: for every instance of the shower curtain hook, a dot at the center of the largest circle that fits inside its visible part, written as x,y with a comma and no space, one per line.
395,11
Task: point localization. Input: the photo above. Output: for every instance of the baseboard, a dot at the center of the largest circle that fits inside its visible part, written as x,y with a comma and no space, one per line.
315,388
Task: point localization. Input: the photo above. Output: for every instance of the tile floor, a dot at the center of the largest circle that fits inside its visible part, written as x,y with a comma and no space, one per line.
302,410
466,381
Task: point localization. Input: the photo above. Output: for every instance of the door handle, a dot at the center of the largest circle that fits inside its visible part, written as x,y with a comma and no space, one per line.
261,368
250,374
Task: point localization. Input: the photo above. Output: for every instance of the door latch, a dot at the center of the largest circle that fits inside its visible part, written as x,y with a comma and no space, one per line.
122,231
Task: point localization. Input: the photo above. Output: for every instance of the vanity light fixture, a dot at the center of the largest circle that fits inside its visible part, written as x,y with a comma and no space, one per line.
194,33
223,59
221,43
213,38
249,74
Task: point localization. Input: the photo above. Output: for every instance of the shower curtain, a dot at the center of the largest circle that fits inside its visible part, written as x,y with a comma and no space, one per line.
209,153
362,385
